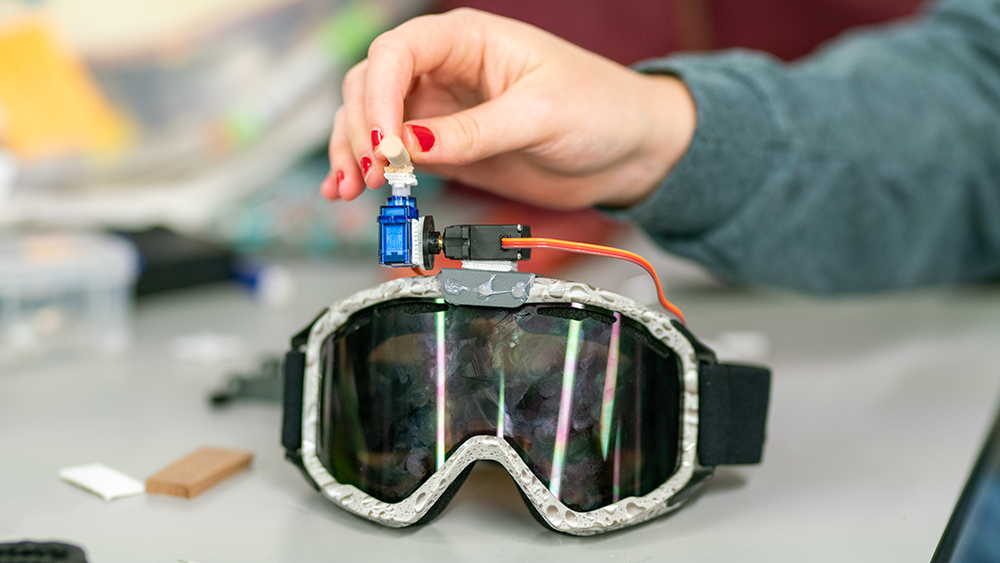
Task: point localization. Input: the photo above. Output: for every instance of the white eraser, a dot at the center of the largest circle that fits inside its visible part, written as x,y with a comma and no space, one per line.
393,150
102,480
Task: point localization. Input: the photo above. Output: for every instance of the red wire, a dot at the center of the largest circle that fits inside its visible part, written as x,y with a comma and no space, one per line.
596,250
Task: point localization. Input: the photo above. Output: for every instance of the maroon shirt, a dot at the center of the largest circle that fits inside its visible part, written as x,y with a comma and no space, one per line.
631,30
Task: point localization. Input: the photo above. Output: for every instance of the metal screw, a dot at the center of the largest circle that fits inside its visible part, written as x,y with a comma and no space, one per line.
519,228
518,254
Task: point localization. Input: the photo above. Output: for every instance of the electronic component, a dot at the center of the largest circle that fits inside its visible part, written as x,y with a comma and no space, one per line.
401,227
483,242
408,240
398,220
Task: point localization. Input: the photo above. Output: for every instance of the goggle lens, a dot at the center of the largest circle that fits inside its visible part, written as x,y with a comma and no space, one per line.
588,398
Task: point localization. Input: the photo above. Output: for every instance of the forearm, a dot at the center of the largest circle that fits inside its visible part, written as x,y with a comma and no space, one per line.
873,164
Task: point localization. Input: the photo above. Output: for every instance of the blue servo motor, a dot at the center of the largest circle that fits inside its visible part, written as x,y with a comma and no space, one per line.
406,239
396,222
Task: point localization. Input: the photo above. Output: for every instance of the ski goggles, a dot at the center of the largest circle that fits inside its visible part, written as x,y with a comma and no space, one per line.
604,412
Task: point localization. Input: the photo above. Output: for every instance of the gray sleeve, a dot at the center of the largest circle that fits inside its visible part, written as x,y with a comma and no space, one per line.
872,164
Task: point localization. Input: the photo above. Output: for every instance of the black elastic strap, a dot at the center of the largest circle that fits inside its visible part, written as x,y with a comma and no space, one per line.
294,370
291,425
732,402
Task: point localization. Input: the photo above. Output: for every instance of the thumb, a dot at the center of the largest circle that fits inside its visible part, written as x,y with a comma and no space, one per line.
504,124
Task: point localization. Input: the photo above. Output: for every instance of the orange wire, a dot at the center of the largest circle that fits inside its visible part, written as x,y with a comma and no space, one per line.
596,250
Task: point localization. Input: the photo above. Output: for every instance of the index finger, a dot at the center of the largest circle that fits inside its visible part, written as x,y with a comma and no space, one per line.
449,42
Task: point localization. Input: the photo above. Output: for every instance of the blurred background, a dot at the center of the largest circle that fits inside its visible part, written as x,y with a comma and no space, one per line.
152,145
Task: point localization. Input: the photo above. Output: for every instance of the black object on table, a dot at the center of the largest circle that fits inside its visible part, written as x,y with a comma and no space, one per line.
41,552
973,532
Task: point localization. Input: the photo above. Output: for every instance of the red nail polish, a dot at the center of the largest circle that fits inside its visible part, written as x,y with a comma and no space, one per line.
376,138
340,177
366,165
424,137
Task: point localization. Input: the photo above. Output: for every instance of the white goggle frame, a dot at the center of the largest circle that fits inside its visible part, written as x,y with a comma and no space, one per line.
625,512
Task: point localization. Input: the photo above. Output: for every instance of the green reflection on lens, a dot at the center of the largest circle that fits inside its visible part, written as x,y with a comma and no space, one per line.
610,381
441,377
565,406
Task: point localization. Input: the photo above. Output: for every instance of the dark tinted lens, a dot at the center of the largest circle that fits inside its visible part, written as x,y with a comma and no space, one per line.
589,400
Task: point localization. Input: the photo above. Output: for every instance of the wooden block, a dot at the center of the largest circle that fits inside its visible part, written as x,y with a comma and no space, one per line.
198,471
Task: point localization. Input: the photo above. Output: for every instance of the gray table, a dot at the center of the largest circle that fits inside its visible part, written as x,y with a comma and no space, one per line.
879,405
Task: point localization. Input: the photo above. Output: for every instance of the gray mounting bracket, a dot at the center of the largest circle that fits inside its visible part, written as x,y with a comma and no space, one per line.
485,288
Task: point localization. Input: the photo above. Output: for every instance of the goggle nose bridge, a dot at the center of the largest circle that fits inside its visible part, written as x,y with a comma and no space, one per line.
432,496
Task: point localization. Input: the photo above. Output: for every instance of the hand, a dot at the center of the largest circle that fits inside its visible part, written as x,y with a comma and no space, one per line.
501,105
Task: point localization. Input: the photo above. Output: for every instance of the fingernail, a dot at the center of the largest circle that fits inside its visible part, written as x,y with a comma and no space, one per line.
340,177
424,137
366,165
376,138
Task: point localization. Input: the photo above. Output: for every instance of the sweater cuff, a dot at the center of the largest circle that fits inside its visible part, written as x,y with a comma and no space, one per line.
732,152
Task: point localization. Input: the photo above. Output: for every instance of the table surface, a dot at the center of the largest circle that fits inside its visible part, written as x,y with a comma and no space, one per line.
879,405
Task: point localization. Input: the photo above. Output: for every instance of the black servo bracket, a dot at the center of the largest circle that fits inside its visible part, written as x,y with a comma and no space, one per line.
478,242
